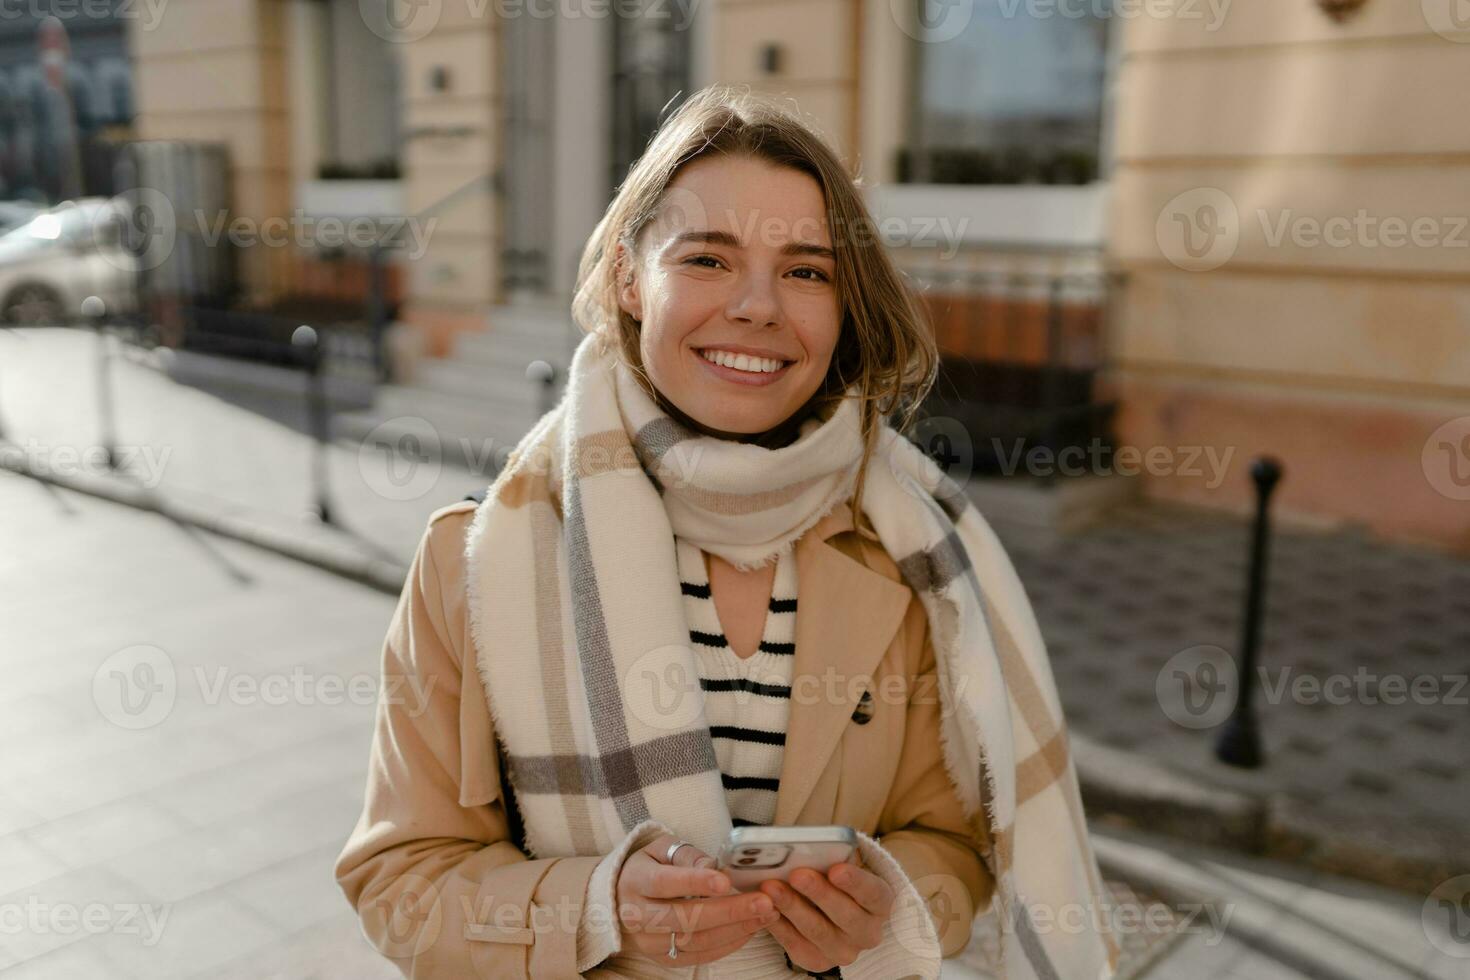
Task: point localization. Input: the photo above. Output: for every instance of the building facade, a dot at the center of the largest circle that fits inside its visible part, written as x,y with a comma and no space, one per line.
1042,147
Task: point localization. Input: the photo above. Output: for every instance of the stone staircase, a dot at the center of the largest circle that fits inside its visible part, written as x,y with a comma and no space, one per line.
478,402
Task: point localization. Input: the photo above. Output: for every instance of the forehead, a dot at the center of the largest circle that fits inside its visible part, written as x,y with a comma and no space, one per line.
759,202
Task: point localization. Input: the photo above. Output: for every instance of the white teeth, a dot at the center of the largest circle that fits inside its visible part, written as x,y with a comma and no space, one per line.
742,362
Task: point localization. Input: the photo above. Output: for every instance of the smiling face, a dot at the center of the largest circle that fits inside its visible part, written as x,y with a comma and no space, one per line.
736,291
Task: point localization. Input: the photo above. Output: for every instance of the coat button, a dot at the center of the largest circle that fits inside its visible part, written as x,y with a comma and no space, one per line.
863,713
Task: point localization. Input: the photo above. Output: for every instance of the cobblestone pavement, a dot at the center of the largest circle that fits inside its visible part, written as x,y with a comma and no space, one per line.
1362,693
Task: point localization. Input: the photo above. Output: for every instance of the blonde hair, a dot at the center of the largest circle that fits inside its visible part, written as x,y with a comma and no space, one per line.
885,347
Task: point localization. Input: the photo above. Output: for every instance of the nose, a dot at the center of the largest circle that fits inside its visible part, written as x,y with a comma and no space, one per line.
754,302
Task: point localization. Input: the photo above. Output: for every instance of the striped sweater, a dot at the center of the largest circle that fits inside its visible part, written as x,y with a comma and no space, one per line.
747,700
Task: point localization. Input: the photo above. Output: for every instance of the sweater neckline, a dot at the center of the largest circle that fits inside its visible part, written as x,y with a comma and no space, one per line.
693,572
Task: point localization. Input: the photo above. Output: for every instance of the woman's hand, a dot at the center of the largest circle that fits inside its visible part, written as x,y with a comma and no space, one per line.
688,899
827,920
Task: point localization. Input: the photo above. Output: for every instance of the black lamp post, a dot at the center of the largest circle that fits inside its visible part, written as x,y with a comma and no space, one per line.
308,345
1240,740
95,312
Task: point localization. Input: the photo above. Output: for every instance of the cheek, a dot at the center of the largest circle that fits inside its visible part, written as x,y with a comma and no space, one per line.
685,301
819,328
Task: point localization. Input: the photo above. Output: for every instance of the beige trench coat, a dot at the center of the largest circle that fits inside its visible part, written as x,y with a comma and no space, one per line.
432,842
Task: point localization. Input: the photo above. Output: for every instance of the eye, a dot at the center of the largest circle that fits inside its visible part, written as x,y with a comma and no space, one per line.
698,258
819,275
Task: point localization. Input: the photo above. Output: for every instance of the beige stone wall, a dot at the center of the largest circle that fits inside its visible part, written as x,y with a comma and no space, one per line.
215,70
1329,166
818,40
455,139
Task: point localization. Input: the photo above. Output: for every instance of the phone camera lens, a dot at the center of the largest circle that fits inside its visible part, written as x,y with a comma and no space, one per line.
745,860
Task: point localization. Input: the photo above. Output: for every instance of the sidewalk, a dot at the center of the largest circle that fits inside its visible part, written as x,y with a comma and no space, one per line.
188,827
1373,790
201,459
1362,694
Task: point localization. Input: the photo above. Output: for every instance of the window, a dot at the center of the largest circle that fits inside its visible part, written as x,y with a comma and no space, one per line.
1006,92
362,92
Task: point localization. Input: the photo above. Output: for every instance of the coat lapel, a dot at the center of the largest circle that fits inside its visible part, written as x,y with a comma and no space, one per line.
846,616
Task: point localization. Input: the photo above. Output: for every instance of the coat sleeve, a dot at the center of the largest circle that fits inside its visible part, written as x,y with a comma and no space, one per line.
923,826
438,886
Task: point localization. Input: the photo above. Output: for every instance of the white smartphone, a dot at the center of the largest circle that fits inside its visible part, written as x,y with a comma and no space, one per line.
751,855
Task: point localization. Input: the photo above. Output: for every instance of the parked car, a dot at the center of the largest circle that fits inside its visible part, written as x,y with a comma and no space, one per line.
13,214
58,258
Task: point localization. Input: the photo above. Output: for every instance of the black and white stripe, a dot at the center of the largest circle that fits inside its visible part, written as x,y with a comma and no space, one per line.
747,700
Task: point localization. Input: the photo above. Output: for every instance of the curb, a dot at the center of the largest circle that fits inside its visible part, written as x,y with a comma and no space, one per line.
1140,791
1129,791
313,544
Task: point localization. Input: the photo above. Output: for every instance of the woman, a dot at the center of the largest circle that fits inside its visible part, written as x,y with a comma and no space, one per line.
713,586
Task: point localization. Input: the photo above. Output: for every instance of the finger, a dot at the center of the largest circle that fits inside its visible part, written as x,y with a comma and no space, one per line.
693,915
867,889
688,856
705,939
695,958
810,921
846,914
801,949
646,877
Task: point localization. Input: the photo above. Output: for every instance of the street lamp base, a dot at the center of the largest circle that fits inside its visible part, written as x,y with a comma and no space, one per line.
1240,744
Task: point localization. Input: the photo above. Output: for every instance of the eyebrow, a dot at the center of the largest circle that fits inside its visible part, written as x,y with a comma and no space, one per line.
726,238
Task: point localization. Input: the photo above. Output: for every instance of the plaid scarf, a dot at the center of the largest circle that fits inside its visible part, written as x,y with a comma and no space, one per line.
583,647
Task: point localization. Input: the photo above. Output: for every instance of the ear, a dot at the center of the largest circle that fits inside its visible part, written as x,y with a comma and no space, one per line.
630,298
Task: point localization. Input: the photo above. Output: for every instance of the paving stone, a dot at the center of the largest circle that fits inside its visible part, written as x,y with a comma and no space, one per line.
1336,602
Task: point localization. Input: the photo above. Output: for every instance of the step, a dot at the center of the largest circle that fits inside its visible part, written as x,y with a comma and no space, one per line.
423,401
476,379
471,431
532,318
491,347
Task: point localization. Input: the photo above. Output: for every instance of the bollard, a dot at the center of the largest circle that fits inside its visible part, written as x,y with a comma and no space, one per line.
308,345
544,374
96,313
377,310
1240,740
